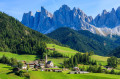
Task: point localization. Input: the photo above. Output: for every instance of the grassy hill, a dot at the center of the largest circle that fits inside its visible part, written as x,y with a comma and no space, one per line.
60,49
100,59
4,73
83,41
16,38
54,75
4,70
28,58
63,50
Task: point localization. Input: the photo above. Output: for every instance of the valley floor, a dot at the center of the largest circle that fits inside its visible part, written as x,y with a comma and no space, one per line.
5,74
4,69
54,75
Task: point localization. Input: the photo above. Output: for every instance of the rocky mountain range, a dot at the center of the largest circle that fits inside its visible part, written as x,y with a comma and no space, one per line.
106,23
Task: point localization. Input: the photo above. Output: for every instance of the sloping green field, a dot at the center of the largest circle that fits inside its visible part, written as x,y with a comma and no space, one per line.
4,69
54,75
56,61
100,59
67,51
63,50
19,57
4,73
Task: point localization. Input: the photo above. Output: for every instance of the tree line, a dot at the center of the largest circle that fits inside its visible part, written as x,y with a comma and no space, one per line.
11,61
56,54
112,61
79,58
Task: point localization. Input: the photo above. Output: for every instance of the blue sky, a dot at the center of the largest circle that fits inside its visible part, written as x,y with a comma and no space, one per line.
16,8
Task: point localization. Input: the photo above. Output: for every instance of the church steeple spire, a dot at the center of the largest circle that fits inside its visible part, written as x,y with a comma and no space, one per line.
46,60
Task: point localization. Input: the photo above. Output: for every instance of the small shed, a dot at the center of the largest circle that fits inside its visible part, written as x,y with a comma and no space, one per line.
76,69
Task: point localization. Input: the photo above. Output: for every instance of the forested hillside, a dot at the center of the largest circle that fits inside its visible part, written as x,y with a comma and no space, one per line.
16,38
83,41
115,52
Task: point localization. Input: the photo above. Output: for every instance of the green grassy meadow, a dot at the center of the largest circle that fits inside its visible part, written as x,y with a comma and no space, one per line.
56,61
29,58
54,75
5,69
19,57
67,51
100,59
4,73
63,50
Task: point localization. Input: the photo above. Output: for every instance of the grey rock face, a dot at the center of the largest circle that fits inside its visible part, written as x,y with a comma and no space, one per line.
45,21
118,12
28,19
104,24
42,21
75,18
108,19
37,19
64,17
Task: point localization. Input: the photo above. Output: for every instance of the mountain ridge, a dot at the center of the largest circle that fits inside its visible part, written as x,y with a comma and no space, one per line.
83,41
106,23
73,18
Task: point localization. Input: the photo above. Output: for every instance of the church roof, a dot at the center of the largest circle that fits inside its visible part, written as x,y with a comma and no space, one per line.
49,62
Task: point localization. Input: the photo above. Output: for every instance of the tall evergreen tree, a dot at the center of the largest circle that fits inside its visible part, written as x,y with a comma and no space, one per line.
76,62
99,69
112,61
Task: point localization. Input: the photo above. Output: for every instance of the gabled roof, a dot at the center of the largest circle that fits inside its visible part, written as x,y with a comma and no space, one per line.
75,67
49,62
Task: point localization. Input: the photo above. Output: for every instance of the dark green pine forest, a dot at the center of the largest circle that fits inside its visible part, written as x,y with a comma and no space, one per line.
115,52
17,38
84,41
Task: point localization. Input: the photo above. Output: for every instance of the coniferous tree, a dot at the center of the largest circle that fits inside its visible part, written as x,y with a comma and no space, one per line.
28,67
99,69
13,62
3,59
72,61
112,71
112,61
76,62
20,64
